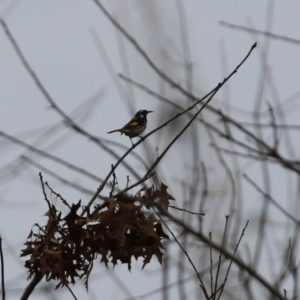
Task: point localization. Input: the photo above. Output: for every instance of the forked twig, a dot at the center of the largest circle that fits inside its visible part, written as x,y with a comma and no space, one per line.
64,201
220,256
234,252
225,252
184,251
44,192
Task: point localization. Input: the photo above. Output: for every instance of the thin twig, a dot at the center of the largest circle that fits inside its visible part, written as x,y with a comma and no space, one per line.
113,183
220,256
220,248
223,163
229,267
2,269
129,187
186,254
259,156
64,201
260,32
280,126
49,156
58,177
267,196
45,195
204,193
71,292
211,268
187,211
274,126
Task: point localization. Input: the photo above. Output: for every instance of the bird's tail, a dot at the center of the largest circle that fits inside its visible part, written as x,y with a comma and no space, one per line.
117,130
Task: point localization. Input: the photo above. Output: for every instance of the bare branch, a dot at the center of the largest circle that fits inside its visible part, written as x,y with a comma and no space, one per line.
225,252
260,32
275,203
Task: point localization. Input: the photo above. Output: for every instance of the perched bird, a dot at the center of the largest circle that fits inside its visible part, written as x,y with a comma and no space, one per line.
136,126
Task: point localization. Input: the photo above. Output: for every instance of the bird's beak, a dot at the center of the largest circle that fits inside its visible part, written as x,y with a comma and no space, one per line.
149,111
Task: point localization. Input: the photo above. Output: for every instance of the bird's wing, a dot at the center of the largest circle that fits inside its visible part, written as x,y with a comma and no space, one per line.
131,124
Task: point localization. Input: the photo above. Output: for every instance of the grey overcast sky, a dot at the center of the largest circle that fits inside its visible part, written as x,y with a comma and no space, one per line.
58,39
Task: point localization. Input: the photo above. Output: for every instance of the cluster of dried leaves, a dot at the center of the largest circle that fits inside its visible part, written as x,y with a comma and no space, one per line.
120,229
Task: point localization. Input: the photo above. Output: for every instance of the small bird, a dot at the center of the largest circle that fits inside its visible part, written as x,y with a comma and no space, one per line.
136,126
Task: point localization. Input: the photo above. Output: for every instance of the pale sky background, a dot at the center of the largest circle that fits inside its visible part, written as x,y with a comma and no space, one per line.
56,38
